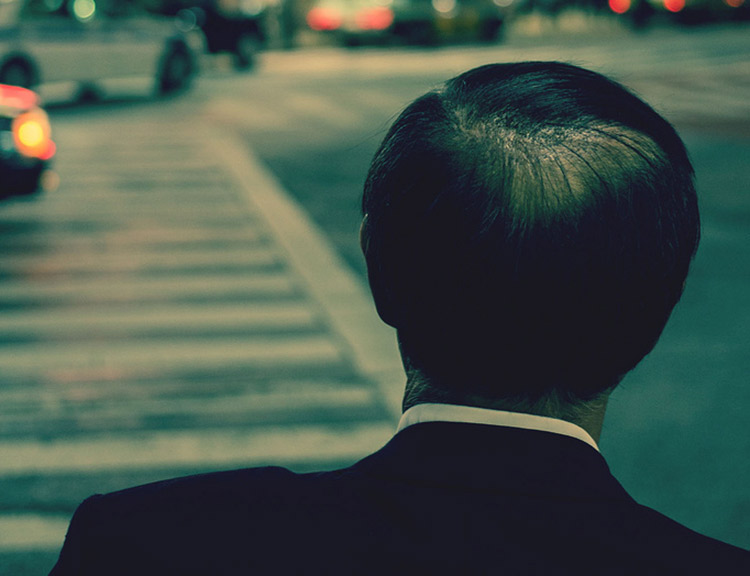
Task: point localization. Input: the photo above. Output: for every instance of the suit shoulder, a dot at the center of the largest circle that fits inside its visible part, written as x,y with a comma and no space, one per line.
200,491
177,525
662,537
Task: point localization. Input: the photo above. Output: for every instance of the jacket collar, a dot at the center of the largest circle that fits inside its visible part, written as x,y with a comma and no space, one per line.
494,458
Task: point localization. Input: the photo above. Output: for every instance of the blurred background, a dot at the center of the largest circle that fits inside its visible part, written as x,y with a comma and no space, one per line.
181,288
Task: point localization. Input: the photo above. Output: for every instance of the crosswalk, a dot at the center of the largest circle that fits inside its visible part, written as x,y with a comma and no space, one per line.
168,310
162,313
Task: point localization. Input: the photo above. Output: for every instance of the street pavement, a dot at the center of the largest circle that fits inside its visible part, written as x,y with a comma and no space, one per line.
176,306
169,310
676,433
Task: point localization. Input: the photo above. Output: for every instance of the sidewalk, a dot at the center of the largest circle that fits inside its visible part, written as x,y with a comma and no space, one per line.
176,318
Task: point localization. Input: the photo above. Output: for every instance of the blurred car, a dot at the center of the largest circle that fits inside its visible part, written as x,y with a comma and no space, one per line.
26,146
230,26
641,12
87,41
353,22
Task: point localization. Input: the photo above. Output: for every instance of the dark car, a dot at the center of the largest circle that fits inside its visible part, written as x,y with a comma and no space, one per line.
353,22
26,146
233,27
641,12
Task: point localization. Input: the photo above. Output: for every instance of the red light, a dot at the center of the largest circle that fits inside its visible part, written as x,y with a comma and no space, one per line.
674,5
17,97
50,152
734,3
324,19
378,18
619,6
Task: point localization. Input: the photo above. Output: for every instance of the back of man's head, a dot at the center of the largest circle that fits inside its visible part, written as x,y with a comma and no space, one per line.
528,230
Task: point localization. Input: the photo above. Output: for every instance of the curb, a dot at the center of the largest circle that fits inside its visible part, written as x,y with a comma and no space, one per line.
345,301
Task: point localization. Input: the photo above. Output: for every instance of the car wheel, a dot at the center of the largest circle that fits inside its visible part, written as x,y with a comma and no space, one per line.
25,183
88,93
491,31
420,34
641,16
176,71
245,51
17,73
351,41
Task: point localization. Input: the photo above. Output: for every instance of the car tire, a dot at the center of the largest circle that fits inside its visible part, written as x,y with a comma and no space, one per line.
491,31
420,34
642,15
245,51
88,93
176,71
24,183
18,72
351,41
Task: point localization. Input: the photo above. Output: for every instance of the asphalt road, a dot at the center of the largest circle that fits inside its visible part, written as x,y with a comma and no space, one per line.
676,434
135,175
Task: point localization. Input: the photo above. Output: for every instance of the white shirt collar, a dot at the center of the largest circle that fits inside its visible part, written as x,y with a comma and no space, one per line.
473,415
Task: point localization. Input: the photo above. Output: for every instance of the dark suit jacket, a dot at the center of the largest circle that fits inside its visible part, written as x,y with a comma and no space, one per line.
439,498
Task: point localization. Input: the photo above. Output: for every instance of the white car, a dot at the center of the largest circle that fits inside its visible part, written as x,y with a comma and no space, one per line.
88,41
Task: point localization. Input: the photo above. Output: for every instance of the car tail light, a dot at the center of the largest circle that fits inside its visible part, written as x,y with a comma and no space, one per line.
17,97
674,5
619,6
31,132
378,18
321,18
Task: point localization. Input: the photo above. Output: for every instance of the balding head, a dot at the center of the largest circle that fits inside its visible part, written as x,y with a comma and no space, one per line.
528,231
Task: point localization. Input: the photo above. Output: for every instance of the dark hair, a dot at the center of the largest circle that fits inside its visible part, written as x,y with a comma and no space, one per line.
528,230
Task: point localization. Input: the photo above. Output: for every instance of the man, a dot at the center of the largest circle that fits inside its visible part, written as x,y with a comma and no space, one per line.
528,229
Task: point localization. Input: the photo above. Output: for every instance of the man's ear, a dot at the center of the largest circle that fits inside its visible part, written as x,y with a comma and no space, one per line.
384,302
362,236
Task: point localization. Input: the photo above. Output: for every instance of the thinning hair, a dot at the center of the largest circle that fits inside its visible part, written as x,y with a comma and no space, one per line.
529,228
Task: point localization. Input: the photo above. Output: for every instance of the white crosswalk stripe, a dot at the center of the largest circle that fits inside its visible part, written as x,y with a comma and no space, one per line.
218,286
168,354
31,532
167,448
193,318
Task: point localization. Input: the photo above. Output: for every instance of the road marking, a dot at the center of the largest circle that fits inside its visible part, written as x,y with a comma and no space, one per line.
309,105
162,398
163,316
346,302
255,116
100,410
140,289
118,261
145,235
26,532
152,450
167,355
178,210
